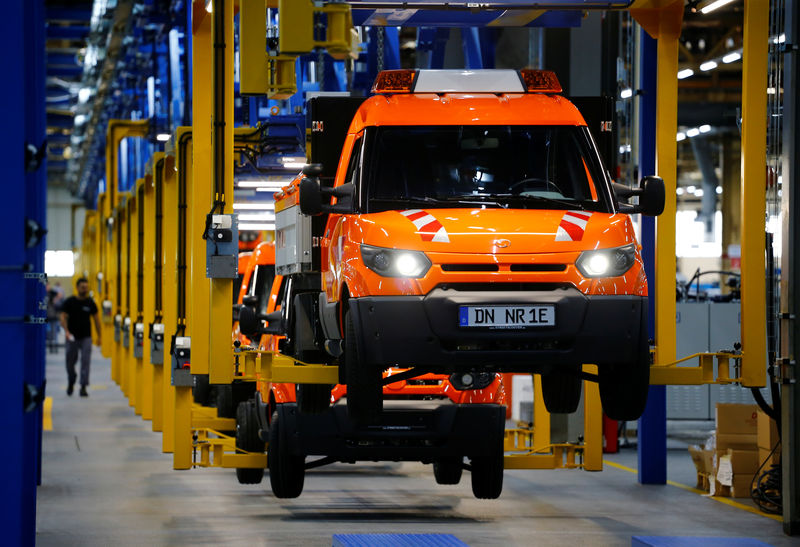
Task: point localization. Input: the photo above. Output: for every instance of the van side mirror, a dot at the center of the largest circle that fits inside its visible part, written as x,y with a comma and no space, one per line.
315,200
248,323
651,195
275,323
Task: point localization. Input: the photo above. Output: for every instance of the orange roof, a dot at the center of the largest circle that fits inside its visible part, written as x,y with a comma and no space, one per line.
466,109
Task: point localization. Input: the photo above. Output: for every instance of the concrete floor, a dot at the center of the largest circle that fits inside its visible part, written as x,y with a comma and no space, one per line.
105,481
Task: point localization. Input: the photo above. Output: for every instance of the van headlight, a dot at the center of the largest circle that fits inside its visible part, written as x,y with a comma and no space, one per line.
395,262
607,262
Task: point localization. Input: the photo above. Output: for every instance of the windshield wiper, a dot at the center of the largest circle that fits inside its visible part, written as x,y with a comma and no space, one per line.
542,199
481,199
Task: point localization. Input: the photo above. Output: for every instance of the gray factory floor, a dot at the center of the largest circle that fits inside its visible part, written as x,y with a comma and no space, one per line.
105,481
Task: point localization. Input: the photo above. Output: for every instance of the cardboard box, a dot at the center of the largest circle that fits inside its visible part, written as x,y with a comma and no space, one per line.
736,441
767,431
704,465
741,486
736,419
740,461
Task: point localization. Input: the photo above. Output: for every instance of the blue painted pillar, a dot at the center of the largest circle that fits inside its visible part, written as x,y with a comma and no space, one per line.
652,445
471,42
22,111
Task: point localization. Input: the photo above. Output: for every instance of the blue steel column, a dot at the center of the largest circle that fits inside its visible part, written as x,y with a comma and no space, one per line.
21,31
652,431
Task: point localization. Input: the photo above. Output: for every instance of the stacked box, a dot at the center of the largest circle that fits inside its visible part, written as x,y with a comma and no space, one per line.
736,450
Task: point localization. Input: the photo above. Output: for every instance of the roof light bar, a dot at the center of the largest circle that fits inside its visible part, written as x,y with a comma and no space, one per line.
395,81
540,81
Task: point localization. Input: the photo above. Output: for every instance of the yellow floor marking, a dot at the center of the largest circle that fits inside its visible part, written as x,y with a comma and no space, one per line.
98,387
47,414
726,501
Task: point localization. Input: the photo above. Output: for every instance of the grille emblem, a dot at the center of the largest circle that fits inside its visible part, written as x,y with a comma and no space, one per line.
501,243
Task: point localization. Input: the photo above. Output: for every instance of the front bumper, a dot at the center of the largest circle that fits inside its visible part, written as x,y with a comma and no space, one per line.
424,331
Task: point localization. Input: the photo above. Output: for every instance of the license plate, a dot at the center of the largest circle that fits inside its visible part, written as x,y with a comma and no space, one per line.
507,316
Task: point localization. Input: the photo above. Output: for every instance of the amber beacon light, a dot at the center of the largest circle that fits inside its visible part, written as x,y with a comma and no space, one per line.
542,81
395,81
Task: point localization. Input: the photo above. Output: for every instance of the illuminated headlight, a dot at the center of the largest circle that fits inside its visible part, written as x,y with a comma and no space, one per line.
395,262
606,262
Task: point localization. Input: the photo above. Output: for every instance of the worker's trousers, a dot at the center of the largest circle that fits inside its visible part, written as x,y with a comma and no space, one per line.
84,345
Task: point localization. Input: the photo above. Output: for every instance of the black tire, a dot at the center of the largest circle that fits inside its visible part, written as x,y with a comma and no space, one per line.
287,471
448,471
624,388
247,439
225,406
364,388
487,471
201,389
313,398
561,390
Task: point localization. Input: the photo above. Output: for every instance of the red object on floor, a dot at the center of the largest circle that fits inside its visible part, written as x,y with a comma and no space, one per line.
610,439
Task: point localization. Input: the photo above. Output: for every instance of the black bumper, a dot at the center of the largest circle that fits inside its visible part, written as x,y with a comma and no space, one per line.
424,331
424,435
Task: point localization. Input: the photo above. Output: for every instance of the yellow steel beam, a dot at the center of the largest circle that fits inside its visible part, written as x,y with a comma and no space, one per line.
117,130
136,365
200,195
150,261
541,418
754,168
254,68
592,423
169,283
118,360
144,265
220,356
182,447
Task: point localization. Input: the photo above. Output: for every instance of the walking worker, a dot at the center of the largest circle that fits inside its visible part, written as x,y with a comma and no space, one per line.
75,313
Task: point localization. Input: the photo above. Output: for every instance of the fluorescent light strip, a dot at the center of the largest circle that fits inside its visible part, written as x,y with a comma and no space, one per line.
253,206
685,73
732,57
162,137
257,226
263,183
693,132
266,217
708,65
272,189
714,5
704,128
626,93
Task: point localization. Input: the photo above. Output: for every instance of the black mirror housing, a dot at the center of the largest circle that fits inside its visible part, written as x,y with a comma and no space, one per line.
312,170
651,193
653,196
249,324
310,197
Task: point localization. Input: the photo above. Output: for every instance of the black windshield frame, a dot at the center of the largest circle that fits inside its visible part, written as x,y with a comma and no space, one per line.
382,160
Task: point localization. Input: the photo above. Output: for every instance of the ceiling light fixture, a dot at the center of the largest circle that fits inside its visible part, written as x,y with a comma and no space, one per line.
708,65
732,57
685,73
708,8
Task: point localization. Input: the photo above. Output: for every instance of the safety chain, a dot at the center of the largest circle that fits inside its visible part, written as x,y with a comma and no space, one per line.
381,32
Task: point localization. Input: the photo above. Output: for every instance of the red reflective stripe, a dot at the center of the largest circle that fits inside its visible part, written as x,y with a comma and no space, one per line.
416,215
574,231
580,214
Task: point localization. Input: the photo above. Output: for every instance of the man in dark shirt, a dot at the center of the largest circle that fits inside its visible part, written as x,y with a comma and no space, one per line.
75,313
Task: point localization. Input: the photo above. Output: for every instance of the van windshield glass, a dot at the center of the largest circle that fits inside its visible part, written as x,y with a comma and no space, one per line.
509,166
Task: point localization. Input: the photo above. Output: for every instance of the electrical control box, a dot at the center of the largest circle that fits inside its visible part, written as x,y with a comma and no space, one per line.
117,328
126,332
157,343
181,361
138,340
293,241
222,247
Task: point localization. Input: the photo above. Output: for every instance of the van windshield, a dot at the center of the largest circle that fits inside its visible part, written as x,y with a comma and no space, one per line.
509,166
